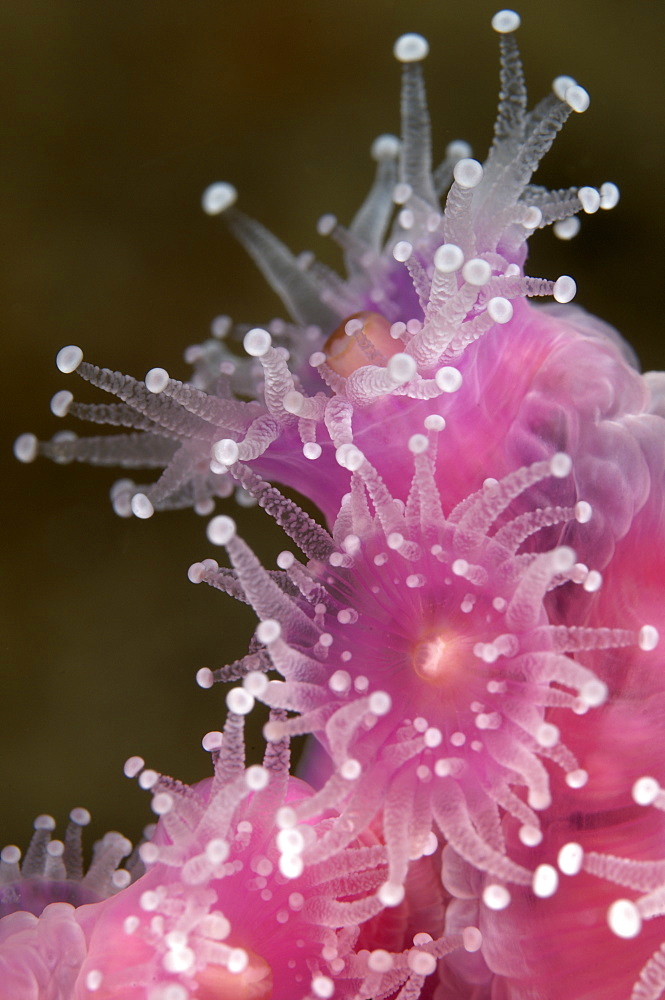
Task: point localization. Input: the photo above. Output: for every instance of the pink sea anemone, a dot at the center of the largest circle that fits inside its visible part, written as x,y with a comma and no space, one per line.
467,640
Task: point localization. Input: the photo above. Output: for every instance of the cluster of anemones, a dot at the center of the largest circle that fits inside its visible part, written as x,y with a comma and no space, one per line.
471,644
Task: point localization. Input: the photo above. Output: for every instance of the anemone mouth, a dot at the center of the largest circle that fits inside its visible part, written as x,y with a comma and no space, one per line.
364,338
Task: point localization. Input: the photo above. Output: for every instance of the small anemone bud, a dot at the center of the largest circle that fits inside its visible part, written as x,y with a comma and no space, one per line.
68,359
218,197
505,21
410,48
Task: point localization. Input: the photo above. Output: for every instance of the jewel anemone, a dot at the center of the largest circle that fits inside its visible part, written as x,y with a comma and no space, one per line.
458,639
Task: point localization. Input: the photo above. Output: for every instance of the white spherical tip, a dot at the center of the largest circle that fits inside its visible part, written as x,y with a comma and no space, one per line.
221,529
624,919
218,197
561,465
10,855
560,85
468,173
293,401
156,380
349,457
268,631
212,740
448,258
435,422
351,769
500,309
312,450
291,865
225,451
545,881
132,766
239,701
390,893
385,147
566,229
530,835
380,960
547,735
80,816
205,678
577,98
257,342
61,402
323,986
402,251
564,289
648,638
645,791
609,195
401,367
141,506
577,778
477,272
417,444
162,804
583,512
570,859
594,693
325,224
532,218
593,581
44,822
458,149
380,703
421,962
505,21
93,980
26,448
256,777
448,379
589,199
496,897
410,48
255,682
69,358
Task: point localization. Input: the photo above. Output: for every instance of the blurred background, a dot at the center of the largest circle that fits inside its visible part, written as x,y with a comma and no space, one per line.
117,116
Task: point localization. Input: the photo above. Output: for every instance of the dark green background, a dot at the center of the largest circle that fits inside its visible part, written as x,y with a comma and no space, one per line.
119,114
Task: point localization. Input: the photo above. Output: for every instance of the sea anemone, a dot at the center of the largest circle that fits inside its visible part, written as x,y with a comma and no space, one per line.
461,640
